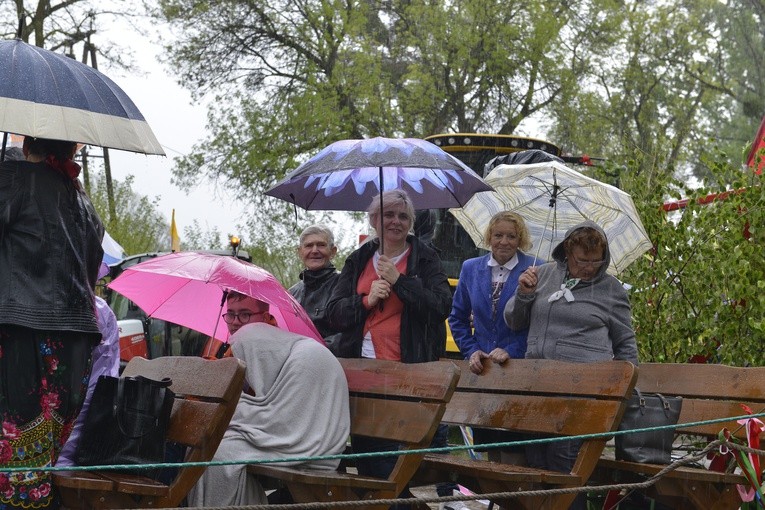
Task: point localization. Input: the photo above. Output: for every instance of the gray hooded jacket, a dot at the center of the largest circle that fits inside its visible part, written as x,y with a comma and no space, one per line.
595,326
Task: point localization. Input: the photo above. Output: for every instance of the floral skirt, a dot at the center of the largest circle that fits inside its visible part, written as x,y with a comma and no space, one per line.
43,380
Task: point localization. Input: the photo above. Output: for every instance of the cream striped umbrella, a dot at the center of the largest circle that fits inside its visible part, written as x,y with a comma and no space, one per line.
552,198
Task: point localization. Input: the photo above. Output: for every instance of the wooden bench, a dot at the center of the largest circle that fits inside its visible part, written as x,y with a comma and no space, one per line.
388,400
709,392
206,394
540,397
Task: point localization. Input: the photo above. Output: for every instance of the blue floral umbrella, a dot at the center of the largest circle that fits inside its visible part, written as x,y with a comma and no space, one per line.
46,94
346,175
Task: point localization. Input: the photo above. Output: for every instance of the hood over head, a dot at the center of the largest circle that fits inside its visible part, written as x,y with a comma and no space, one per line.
559,253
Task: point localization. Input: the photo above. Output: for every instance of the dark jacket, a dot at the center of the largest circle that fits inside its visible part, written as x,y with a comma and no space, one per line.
313,292
424,290
50,250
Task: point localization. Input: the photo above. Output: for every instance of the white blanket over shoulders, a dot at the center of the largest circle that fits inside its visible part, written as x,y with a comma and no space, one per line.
300,410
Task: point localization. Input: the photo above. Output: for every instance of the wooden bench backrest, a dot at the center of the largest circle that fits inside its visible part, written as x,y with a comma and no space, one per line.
708,391
402,402
543,396
398,401
206,394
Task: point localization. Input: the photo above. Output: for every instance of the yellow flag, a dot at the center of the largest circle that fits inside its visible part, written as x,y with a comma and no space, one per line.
175,241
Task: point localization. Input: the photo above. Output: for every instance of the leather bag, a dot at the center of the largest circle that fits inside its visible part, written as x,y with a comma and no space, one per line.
127,423
646,410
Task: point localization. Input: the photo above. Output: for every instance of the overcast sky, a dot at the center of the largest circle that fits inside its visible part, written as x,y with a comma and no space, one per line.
178,125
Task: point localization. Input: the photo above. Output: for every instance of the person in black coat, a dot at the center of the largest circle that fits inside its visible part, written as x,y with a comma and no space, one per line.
317,281
392,297
391,302
50,253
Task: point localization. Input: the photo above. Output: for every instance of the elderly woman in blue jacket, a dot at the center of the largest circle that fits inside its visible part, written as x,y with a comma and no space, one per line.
485,286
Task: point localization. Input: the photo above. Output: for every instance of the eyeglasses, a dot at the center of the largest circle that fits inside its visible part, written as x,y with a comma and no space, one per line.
244,317
588,263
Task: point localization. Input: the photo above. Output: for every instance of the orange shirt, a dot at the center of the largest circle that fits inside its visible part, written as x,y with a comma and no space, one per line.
384,325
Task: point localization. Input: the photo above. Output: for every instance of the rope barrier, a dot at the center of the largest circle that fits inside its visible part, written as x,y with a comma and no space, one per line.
495,496
490,496
448,449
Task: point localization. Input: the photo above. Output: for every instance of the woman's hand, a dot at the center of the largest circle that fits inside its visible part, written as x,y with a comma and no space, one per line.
380,291
386,269
527,282
499,355
476,361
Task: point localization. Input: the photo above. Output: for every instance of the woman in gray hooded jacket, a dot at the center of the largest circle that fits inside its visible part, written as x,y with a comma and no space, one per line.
574,310
577,312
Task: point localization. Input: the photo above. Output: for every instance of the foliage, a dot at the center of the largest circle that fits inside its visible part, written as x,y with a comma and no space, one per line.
139,226
676,80
273,244
62,25
699,294
291,77
660,78
197,238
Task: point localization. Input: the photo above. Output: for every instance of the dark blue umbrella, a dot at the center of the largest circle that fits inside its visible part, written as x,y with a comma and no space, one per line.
48,95
346,175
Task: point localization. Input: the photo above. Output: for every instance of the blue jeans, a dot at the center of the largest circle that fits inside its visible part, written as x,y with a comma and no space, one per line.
559,456
381,467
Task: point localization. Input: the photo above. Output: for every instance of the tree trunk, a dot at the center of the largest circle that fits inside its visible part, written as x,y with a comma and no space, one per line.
107,164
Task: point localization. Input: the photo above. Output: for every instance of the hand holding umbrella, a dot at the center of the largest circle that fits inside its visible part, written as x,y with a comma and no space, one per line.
386,269
378,293
527,281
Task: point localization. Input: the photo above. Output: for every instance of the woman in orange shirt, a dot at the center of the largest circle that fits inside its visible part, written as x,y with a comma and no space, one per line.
392,303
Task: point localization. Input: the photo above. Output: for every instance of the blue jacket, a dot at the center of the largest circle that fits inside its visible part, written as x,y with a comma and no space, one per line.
473,295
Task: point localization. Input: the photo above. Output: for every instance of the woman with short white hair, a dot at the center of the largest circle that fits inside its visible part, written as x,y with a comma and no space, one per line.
390,302
393,296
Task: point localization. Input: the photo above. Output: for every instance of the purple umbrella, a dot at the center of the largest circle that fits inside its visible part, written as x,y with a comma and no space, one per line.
346,175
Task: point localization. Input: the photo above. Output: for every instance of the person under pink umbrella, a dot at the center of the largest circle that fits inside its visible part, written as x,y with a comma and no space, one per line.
295,404
240,311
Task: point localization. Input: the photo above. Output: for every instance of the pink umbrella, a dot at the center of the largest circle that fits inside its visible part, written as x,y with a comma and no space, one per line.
187,288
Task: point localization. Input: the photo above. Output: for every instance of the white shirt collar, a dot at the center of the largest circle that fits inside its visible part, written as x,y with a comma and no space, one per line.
509,265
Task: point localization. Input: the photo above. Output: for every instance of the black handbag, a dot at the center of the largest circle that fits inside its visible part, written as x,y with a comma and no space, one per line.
127,423
646,410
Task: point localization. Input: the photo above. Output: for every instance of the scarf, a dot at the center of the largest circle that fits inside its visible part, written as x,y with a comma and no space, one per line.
66,167
565,290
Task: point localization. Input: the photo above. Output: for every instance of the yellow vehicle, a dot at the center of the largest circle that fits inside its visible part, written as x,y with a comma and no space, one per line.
475,150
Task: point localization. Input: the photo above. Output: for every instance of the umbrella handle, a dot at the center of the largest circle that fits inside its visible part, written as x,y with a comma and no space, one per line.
552,204
215,329
294,205
547,221
382,186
